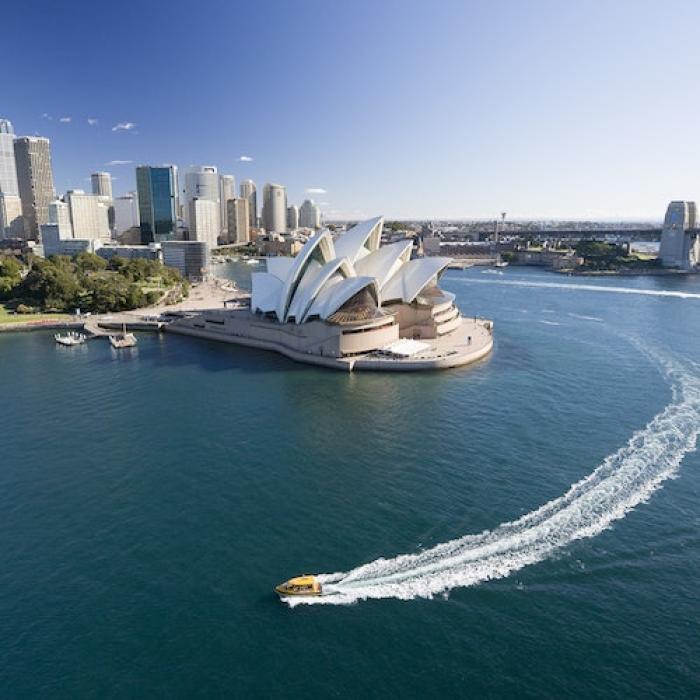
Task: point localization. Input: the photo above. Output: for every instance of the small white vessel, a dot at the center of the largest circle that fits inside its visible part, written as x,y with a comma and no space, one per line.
71,338
124,340
252,261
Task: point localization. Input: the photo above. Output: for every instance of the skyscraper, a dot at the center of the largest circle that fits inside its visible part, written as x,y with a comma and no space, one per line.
126,212
275,208
292,217
8,169
204,221
35,180
102,184
227,190
201,182
239,220
157,194
11,221
249,192
309,215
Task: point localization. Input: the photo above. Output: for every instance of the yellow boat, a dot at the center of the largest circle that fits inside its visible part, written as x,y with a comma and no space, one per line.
300,585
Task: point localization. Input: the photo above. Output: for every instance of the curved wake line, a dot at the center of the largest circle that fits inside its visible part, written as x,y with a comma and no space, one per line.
588,288
622,481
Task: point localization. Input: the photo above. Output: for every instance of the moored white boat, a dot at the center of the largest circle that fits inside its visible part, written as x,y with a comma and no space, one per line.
71,338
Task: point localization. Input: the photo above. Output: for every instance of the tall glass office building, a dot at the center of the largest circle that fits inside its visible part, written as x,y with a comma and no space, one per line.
157,195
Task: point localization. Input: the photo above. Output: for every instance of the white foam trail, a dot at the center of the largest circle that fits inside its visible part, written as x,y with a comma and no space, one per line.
550,323
622,481
586,318
587,288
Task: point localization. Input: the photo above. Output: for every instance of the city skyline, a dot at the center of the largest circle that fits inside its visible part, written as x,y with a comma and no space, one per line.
456,111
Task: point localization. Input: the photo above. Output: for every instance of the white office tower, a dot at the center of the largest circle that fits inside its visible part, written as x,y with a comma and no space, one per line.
275,208
201,182
238,221
126,212
204,217
59,216
680,244
249,192
88,215
11,219
102,184
309,215
292,217
8,169
227,190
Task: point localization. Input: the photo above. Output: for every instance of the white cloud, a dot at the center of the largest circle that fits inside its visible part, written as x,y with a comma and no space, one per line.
92,121
316,190
123,126
245,159
65,120
119,162
47,116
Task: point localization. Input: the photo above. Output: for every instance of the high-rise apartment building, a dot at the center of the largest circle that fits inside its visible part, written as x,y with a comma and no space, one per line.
238,220
292,217
227,190
204,220
249,192
35,180
275,208
309,215
89,215
158,202
8,169
102,184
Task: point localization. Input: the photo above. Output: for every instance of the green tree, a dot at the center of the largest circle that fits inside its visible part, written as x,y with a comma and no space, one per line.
89,262
10,276
51,283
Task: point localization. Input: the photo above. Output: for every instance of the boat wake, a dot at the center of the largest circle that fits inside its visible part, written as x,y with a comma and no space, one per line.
622,481
587,288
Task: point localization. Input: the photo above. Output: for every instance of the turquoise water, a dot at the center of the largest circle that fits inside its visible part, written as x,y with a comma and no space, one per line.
151,499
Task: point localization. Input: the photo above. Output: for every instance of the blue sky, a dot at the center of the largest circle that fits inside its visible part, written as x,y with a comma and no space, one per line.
450,109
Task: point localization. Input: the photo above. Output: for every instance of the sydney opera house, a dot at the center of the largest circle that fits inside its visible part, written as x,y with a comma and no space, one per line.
351,303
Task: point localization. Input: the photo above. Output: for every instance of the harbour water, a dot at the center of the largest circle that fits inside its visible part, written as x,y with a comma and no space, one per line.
152,498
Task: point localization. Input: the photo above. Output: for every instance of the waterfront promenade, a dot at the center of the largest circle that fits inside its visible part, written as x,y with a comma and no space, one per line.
209,294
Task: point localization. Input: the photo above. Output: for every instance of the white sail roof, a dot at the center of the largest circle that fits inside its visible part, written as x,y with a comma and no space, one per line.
360,240
385,262
312,283
410,280
318,249
326,274
266,292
